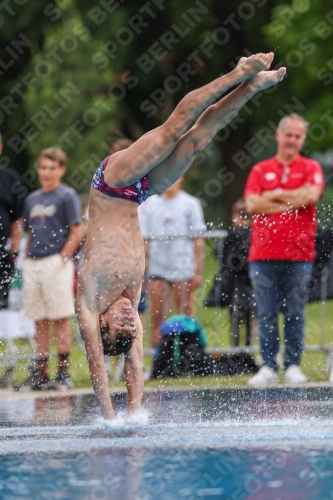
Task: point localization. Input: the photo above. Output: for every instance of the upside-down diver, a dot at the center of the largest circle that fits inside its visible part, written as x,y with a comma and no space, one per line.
110,279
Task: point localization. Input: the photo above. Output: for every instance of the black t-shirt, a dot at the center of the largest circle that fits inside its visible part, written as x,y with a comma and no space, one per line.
11,202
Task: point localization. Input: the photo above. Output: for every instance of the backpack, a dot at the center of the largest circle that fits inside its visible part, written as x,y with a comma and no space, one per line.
181,355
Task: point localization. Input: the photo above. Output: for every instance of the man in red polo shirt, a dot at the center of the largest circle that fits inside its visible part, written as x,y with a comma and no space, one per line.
281,194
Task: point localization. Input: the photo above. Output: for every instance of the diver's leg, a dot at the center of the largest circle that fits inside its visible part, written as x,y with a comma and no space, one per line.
129,165
210,122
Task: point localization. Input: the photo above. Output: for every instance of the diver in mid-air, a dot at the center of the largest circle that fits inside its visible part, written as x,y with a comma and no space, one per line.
114,261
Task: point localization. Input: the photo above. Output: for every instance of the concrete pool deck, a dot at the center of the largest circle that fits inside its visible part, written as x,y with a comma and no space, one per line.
8,394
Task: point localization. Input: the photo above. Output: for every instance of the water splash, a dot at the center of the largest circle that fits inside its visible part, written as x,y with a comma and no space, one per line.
138,419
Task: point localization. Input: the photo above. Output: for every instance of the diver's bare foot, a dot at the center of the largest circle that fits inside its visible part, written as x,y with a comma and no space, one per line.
266,79
250,66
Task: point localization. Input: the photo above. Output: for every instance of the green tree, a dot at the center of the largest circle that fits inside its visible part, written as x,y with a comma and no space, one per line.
69,107
303,35
120,68
22,33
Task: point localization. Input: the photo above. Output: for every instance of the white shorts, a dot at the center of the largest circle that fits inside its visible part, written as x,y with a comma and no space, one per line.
48,288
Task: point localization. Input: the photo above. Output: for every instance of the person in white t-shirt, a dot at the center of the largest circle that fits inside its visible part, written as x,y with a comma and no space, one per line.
174,263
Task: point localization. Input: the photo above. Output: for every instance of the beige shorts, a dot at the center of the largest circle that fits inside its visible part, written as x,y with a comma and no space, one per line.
48,288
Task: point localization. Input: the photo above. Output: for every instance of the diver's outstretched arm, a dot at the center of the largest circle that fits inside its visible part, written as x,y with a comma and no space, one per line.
133,370
212,120
128,166
90,331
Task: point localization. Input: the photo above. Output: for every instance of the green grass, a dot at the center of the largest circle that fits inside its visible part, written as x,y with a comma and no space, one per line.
216,323
319,329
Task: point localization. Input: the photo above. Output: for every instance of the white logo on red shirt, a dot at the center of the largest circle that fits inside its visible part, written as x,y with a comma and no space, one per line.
318,178
270,176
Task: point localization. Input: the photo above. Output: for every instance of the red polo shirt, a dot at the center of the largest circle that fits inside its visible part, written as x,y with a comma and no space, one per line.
288,235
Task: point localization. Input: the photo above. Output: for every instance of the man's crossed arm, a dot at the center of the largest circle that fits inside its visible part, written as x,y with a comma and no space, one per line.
276,201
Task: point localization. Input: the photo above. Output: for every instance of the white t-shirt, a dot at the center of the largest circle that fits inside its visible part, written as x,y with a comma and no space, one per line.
172,259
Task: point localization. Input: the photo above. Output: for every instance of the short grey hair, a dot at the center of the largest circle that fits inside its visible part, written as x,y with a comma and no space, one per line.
293,116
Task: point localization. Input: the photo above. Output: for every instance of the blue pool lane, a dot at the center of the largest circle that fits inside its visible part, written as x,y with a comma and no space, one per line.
232,445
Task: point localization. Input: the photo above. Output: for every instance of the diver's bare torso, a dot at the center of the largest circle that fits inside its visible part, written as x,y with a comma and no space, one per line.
114,253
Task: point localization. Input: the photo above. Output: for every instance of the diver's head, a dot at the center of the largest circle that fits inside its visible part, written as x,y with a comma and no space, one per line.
118,327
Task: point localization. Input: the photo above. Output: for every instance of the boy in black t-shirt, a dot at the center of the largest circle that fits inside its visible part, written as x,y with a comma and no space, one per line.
11,206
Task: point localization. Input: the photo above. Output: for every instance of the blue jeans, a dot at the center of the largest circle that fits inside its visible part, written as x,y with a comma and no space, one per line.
280,286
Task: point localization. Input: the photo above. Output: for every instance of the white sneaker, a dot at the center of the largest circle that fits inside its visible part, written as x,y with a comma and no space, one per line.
294,375
265,376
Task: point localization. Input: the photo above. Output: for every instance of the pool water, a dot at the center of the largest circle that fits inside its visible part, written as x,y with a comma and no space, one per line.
209,444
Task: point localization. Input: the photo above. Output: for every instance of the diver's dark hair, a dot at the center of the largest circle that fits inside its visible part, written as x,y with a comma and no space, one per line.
113,350
122,345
